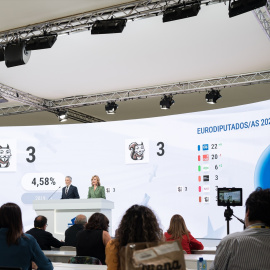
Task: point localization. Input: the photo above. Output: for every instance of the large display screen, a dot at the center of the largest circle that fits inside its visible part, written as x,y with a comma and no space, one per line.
173,164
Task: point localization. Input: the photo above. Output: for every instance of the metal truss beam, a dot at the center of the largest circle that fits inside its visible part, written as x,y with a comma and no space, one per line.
37,104
175,88
83,22
263,16
78,101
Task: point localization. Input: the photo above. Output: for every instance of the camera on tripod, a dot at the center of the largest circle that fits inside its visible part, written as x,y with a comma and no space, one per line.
230,197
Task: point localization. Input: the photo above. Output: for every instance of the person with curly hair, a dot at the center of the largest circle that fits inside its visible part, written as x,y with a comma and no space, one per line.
178,231
93,239
18,249
139,224
96,190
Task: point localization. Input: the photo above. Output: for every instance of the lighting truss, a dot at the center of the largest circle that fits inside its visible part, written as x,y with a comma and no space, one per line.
160,90
263,16
83,22
36,104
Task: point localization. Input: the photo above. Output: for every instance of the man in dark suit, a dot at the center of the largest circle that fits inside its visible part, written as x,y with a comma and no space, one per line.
69,191
70,233
44,239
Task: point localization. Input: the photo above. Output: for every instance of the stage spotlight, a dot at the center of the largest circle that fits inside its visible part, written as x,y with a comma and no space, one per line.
166,102
108,26
242,6
41,42
212,96
181,11
16,54
111,107
2,54
62,115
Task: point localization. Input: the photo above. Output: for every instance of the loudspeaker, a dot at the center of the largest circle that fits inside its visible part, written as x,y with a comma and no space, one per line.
16,54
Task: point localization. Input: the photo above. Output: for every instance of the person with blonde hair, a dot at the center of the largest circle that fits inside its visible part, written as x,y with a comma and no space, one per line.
96,190
178,231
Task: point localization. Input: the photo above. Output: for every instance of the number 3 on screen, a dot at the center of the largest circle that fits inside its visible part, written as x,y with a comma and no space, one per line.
31,154
161,148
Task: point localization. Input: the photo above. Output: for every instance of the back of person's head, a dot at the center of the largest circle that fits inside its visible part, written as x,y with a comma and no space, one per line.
139,224
40,222
258,204
178,227
80,219
11,218
97,221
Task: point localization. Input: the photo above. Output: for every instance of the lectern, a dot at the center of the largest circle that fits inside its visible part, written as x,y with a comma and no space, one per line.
61,212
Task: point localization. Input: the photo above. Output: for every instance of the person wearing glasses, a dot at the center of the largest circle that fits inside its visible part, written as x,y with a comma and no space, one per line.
44,239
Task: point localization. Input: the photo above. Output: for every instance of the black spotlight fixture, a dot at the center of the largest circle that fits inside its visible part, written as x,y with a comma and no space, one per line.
62,115
108,26
2,54
16,54
212,96
111,107
166,102
181,11
41,42
243,6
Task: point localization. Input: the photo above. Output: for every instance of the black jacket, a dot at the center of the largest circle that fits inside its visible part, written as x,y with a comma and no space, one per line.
72,193
45,239
70,234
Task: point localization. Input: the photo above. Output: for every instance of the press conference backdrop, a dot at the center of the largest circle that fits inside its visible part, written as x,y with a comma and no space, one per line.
172,164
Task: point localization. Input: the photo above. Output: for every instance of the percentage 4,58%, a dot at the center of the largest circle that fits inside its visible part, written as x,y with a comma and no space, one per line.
43,181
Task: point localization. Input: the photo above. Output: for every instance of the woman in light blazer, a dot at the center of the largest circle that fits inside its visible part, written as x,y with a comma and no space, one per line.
96,190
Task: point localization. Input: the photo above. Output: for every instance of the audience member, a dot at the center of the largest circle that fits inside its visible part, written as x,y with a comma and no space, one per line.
178,231
139,224
16,248
93,240
250,248
71,232
44,239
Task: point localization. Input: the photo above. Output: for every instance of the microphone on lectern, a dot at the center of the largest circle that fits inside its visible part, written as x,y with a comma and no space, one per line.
53,193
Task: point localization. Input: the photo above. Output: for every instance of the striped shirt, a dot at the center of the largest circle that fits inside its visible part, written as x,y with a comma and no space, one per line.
247,250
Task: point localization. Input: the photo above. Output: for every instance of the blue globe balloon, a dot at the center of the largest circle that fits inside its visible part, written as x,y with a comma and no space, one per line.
262,170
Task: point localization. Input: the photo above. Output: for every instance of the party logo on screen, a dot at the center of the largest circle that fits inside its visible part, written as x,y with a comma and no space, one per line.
206,178
205,167
7,156
137,151
205,147
205,157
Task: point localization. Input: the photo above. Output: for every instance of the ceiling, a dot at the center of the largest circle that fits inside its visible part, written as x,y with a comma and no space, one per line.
147,53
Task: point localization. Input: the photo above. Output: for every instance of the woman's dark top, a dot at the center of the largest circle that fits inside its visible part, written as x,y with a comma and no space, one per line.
90,243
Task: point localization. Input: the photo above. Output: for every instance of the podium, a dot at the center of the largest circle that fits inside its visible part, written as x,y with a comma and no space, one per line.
60,213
